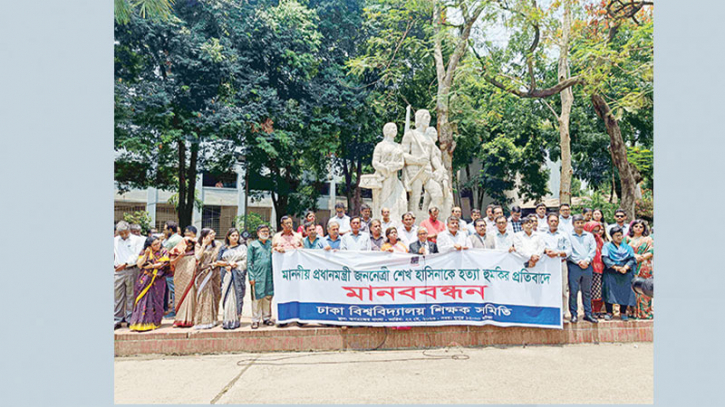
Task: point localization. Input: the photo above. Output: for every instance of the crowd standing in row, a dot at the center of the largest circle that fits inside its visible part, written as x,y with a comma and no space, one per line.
597,258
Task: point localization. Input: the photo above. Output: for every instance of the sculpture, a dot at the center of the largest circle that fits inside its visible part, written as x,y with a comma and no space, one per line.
418,172
440,175
388,190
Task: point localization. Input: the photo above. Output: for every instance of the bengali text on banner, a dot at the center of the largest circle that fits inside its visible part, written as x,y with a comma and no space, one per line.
470,287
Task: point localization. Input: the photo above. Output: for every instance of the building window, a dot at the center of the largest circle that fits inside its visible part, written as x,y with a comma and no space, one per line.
211,217
164,213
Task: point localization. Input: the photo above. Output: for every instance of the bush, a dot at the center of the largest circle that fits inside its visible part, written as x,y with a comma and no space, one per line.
597,201
141,218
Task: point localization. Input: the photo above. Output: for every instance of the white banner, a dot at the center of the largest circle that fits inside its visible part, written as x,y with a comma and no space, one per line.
469,287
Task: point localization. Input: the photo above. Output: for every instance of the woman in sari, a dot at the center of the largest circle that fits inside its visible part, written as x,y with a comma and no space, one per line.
148,308
619,263
643,245
183,262
207,282
233,262
393,245
595,228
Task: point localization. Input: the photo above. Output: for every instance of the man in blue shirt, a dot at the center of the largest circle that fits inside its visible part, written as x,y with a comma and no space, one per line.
332,240
312,241
579,262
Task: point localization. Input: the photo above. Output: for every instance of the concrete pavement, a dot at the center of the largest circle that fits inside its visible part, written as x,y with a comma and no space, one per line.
586,373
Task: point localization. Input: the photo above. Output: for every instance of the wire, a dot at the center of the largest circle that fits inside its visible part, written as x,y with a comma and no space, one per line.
428,354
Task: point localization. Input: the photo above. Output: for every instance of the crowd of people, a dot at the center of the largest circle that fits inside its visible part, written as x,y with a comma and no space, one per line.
189,277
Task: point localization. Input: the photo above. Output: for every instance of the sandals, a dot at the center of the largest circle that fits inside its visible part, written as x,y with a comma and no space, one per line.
255,325
268,322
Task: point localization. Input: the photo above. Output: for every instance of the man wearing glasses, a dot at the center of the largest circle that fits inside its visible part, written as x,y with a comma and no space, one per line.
620,217
503,237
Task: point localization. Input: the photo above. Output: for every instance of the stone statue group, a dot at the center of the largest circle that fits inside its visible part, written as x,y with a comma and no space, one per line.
423,177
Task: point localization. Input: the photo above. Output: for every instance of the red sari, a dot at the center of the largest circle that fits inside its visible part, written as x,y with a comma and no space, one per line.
597,266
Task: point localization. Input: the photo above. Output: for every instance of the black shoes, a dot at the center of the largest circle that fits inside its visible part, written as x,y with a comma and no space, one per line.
591,319
574,319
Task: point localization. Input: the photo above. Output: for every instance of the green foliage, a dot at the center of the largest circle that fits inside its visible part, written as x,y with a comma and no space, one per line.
643,160
644,207
140,218
253,220
507,148
123,10
174,201
598,201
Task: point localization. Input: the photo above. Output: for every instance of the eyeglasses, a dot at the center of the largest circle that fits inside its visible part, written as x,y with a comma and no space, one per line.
618,216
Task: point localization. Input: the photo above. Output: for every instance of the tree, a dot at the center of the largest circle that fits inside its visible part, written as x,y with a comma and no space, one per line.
511,152
178,85
616,59
532,18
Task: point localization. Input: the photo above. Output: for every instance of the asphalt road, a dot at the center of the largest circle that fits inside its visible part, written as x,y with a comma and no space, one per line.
586,373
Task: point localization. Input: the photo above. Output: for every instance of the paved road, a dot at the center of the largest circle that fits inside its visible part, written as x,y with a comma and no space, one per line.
587,373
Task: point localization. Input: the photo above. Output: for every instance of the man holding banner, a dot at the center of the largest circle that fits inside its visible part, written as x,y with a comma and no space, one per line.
459,287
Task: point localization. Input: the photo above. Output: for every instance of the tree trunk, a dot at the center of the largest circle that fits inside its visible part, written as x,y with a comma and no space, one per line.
627,173
186,217
567,99
357,193
181,208
346,172
473,190
445,76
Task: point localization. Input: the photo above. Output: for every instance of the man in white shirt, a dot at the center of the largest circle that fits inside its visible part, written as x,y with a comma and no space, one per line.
542,225
343,221
558,244
451,238
498,211
462,224
565,219
490,219
528,244
502,237
355,240
409,232
126,249
386,222
475,214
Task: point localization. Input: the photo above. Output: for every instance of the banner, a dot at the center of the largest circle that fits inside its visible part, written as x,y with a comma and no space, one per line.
469,287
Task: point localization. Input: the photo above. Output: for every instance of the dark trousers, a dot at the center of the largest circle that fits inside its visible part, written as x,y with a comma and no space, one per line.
169,296
580,279
610,308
